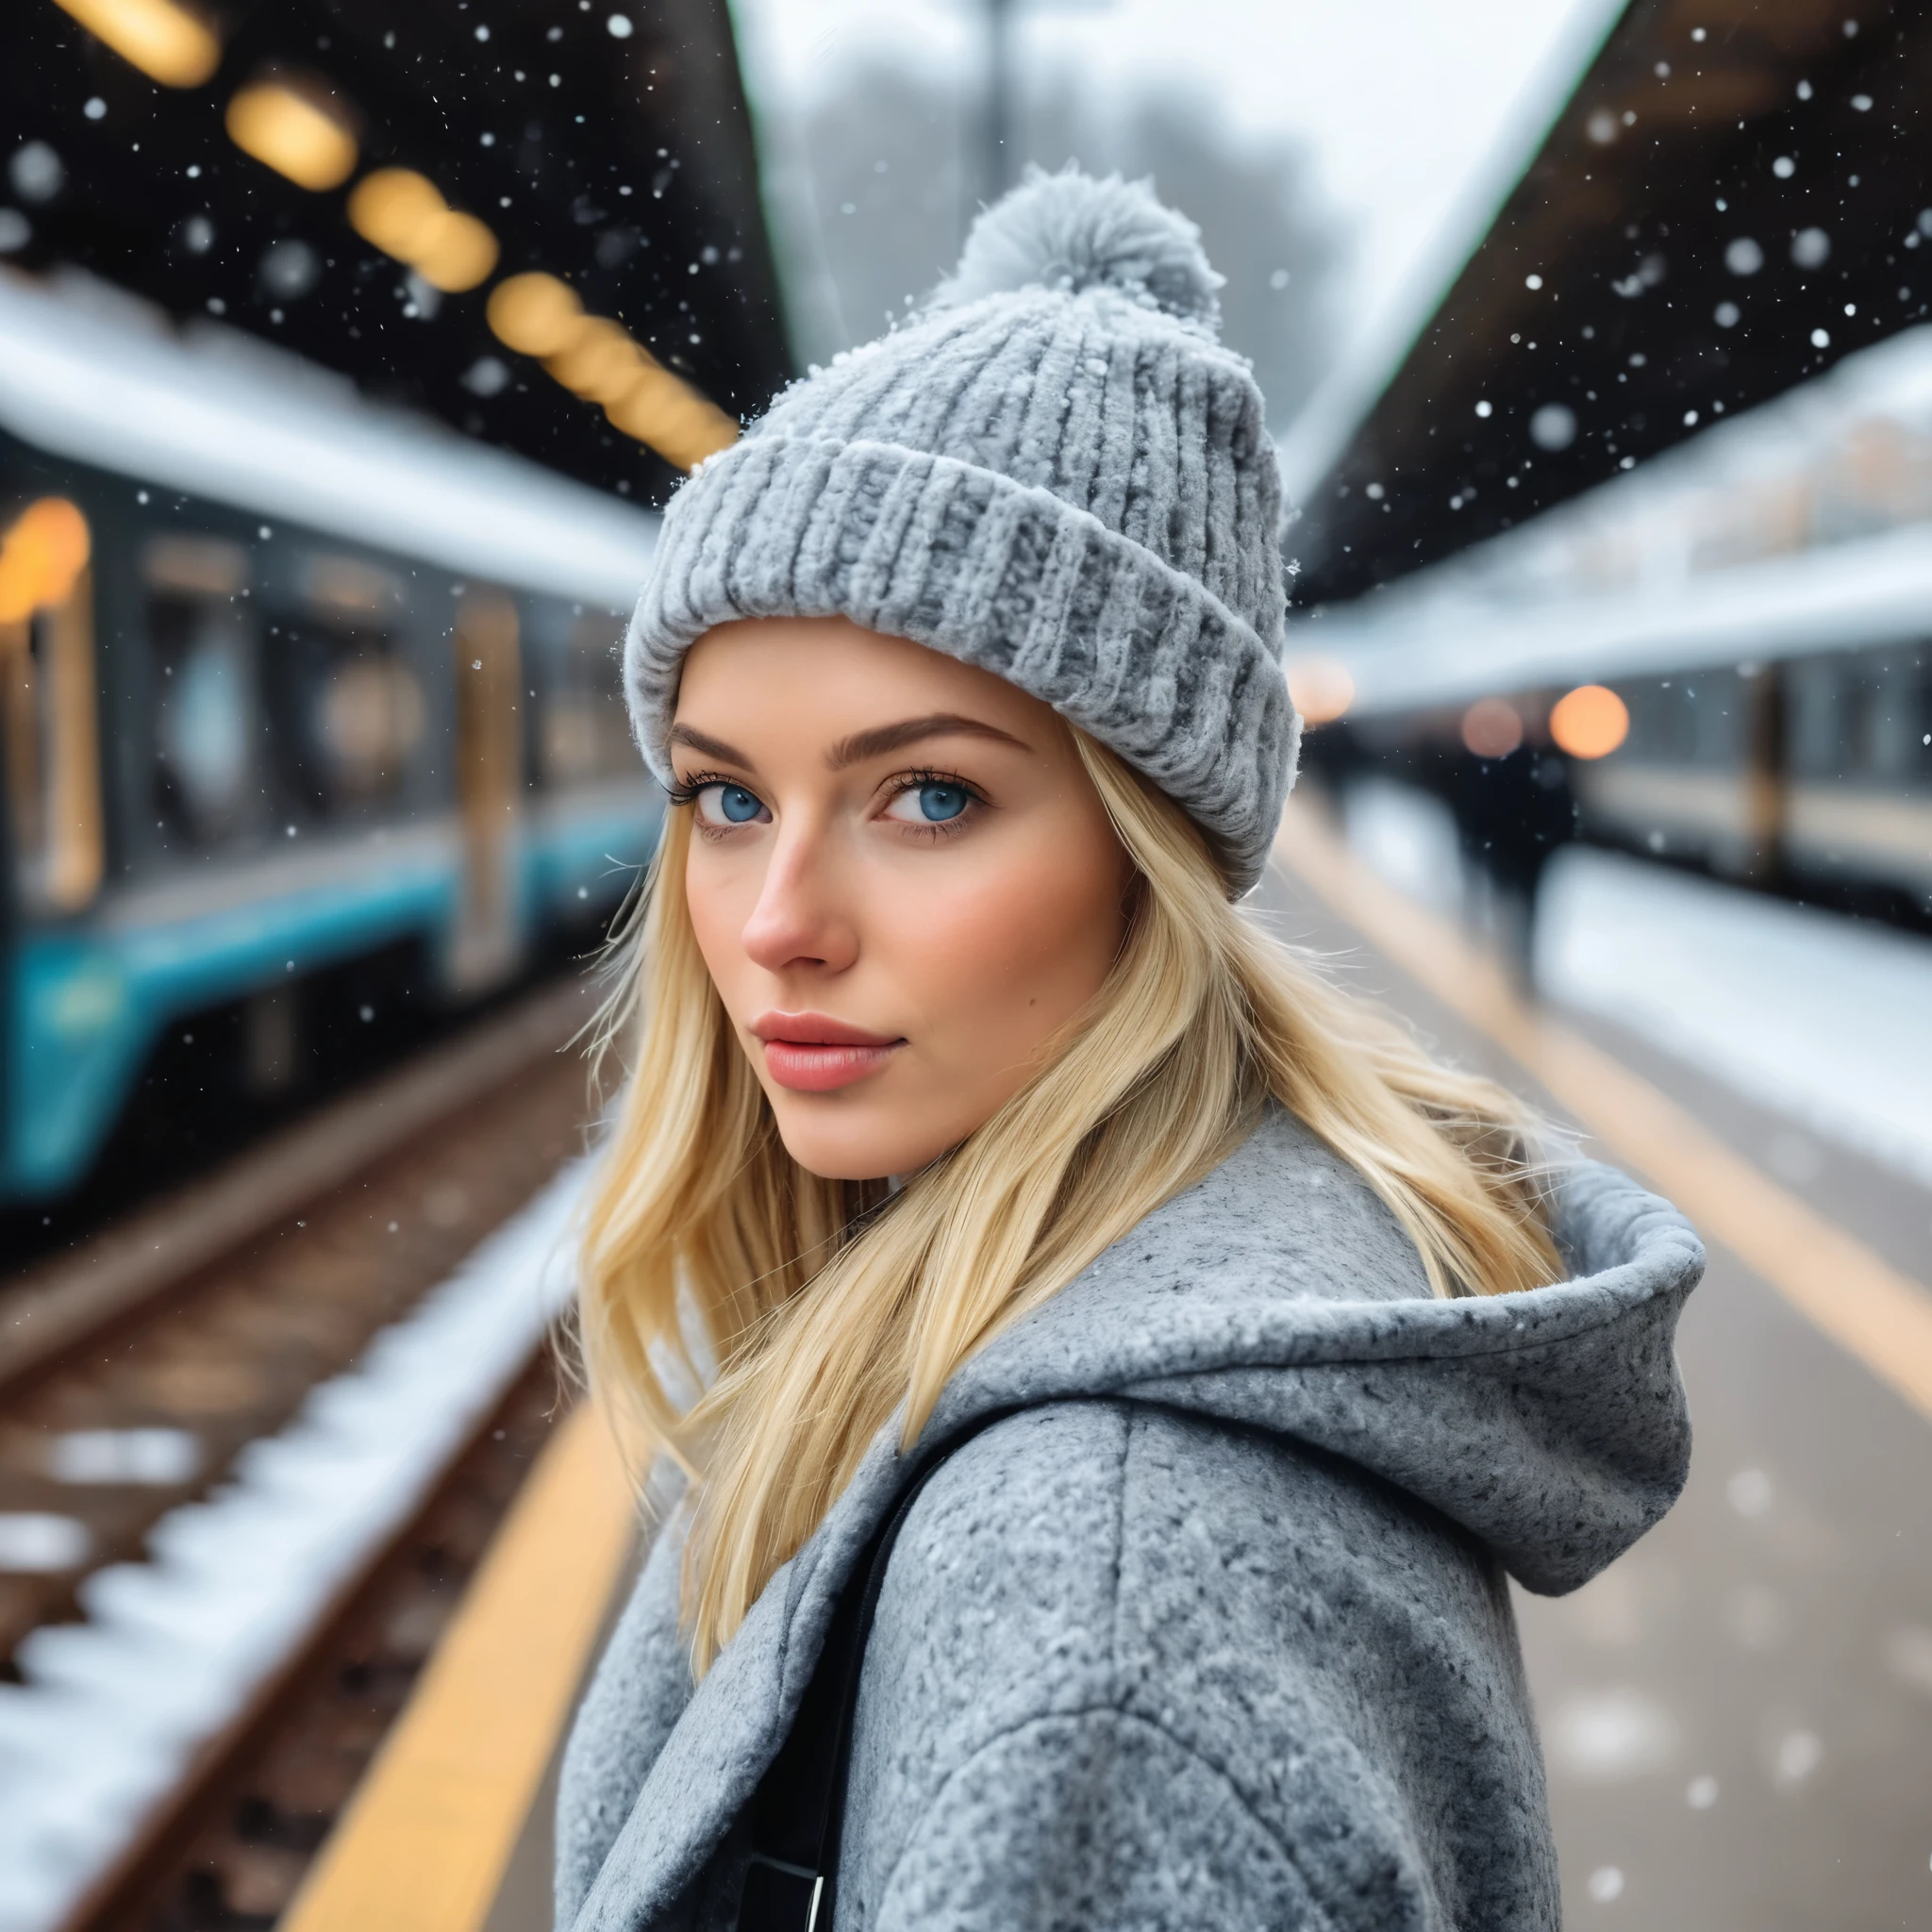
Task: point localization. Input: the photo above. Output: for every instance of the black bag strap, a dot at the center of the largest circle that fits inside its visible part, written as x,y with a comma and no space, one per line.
799,1809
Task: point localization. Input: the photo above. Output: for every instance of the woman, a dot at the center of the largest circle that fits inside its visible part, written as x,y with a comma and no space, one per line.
967,1108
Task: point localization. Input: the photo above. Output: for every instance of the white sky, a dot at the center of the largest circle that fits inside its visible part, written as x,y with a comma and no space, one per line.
1400,103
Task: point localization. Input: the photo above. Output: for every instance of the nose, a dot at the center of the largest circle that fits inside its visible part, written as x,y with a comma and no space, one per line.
800,920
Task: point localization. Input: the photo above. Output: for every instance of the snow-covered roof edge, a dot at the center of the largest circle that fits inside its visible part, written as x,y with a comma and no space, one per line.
261,431
1311,445
1512,611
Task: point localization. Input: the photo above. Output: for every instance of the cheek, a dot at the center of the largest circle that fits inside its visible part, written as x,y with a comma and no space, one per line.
720,899
1017,948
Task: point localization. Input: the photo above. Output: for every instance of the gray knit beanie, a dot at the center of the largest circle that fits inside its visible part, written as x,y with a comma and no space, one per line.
1054,471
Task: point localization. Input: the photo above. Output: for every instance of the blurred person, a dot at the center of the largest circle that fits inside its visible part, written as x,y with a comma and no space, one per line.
1513,814
988,1174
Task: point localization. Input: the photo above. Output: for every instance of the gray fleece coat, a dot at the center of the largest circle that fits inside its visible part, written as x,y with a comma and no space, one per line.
1215,1632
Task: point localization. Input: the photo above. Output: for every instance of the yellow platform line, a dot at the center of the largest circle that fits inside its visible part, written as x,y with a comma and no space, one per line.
425,1842
1872,1310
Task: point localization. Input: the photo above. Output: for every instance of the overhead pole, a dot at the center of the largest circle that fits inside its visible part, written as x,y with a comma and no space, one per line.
997,169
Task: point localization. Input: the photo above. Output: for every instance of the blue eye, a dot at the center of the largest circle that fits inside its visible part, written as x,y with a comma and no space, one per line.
939,803
719,804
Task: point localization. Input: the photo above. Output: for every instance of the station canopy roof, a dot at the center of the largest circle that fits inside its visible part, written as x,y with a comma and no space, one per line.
610,147
1737,195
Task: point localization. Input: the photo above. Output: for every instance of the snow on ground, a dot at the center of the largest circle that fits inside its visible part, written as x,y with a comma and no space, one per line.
1825,1019
1409,839
1822,1018
112,1708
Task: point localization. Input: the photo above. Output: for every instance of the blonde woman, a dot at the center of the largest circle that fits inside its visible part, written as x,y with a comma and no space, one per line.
1109,1373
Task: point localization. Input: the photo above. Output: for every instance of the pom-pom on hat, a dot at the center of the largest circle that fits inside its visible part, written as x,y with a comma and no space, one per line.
1054,471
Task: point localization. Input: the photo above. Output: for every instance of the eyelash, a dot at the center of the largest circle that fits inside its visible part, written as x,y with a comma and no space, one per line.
685,791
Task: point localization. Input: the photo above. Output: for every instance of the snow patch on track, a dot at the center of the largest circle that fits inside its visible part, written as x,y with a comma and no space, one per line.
113,1709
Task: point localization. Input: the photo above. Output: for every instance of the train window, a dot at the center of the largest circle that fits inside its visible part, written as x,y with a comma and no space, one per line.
584,731
204,718
349,711
49,722
1858,717
1881,720
1693,721
348,708
1812,709
207,785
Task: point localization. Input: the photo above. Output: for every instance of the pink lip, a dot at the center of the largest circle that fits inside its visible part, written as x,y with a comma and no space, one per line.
812,1052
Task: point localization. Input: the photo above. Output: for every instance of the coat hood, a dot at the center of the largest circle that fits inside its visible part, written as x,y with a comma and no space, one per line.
1276,1294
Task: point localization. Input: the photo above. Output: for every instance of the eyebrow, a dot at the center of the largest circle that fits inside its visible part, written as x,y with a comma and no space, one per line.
712,747
875,743
882,738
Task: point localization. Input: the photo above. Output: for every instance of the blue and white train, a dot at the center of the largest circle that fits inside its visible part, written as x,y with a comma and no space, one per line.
287,681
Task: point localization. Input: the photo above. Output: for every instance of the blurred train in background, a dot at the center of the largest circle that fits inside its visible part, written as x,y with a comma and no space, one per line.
344,355
1628,536
1751,617
303,701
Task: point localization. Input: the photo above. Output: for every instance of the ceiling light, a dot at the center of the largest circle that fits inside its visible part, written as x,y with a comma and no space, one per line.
294,132
168,42
535,314
1591,721
600,362
671,416
394,209
1321,688
457,253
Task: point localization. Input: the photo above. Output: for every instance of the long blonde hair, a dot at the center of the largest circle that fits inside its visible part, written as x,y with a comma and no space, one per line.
819,1312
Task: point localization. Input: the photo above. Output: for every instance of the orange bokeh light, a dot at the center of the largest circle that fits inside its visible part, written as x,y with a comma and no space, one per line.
599,363
1591,723
679,423
169,43
458,253
43,553
395,209
1492,728
535,314
296,130
1321,688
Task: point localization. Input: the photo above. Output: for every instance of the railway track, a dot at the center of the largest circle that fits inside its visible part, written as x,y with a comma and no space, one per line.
229,1846
353,1317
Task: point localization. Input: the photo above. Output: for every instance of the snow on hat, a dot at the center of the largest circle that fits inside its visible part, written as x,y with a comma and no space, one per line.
1054,471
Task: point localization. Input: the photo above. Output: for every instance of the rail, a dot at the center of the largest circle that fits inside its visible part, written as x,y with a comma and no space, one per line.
62,1304
317,1380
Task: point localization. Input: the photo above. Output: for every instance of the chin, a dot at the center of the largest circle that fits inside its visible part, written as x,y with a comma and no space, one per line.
851,1149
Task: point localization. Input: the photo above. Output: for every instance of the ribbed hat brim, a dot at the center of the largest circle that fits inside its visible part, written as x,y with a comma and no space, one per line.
1011,578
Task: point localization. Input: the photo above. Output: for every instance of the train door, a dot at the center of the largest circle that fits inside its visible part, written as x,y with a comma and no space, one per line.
49,717
487,940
